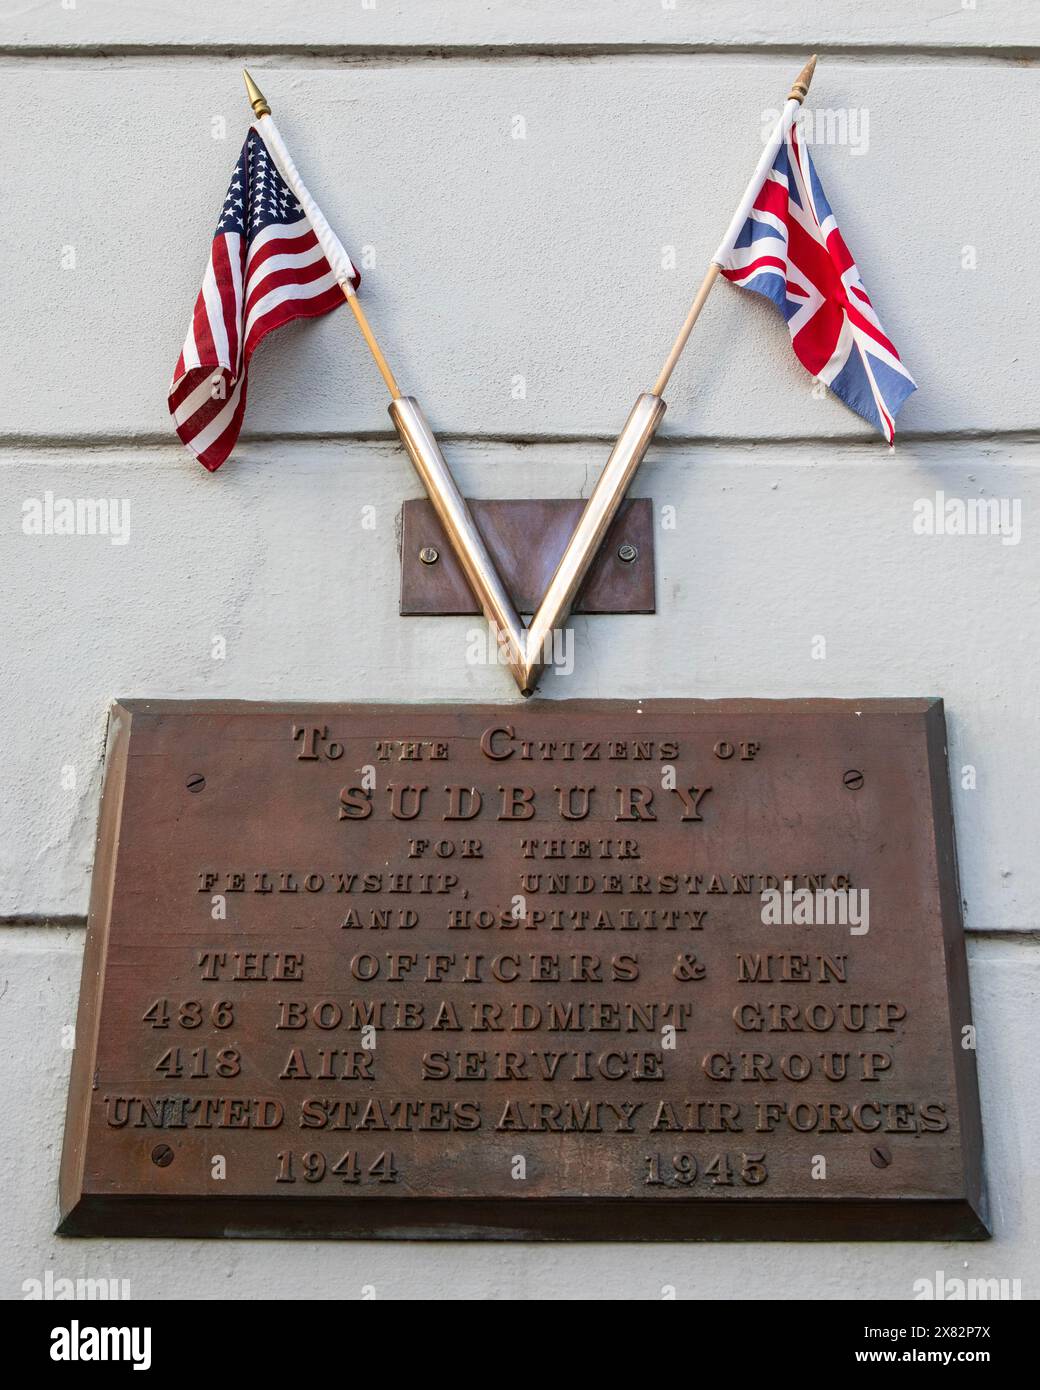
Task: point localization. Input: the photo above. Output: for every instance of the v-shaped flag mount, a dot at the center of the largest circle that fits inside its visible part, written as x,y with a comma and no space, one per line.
525,649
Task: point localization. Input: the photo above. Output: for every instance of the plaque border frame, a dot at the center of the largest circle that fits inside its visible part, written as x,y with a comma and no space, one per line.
601,1218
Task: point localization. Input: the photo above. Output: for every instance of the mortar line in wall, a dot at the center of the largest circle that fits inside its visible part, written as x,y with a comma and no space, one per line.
1030,934
317,55
28,919
36,444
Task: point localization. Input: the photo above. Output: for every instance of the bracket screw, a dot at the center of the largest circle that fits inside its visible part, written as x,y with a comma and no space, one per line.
881,1155
162,1155
195,782
627,553
429,555
853,779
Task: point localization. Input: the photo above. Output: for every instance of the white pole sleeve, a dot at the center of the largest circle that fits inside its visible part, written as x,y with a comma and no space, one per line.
769,153
342,265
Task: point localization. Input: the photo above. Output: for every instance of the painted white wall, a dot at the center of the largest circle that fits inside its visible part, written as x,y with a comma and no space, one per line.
498,257
494,258
405,25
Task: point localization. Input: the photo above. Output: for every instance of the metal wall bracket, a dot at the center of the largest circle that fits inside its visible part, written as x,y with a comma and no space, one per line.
526,539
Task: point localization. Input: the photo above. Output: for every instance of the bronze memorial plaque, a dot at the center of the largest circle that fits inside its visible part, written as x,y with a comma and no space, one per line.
574,969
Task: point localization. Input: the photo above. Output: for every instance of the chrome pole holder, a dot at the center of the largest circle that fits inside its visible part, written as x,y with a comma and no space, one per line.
525,649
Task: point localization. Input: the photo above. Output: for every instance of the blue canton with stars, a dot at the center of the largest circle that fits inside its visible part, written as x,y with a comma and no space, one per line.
258,195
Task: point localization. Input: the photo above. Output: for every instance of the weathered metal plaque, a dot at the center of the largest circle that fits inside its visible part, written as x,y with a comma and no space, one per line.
526,539
601,970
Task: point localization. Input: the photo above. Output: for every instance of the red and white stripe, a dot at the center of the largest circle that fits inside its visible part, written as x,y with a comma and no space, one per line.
793,252
245,295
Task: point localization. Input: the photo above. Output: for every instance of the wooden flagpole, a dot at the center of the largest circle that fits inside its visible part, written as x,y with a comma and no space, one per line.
258,102
796,96
373,346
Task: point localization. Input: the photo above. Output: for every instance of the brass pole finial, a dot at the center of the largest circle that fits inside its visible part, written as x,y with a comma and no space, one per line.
257,100
800,90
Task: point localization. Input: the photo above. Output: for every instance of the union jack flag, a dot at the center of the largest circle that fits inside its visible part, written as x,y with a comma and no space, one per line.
265,268
791,251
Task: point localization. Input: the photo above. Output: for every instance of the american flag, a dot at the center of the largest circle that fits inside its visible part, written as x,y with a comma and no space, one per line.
791,251
265,268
